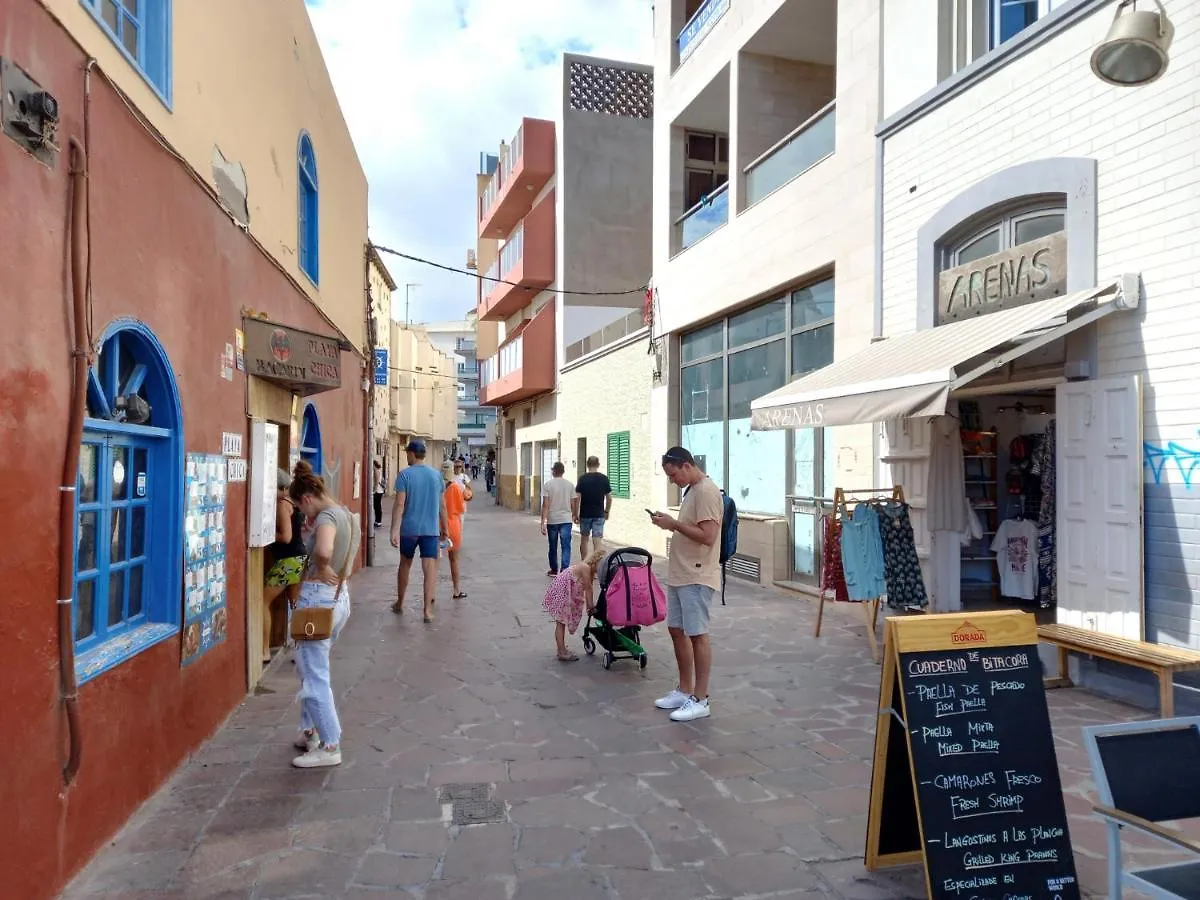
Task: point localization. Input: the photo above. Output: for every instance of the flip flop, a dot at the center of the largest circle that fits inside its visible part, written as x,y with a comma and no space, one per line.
570,657
459,596
428,620
397,608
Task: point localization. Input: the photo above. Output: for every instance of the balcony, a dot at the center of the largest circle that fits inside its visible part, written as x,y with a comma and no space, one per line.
526,260
524,365
631,323
798,152
464,346
704,218
526,165
706,14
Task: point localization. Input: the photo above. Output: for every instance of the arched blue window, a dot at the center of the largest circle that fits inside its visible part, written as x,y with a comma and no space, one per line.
308,210
129,499
310,438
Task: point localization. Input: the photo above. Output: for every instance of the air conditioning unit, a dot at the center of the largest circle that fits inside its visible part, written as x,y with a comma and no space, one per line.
471,263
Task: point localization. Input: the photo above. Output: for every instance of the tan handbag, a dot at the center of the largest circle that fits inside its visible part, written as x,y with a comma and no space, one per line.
315,623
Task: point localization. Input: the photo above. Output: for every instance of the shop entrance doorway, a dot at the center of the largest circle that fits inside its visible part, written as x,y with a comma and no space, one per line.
1053,478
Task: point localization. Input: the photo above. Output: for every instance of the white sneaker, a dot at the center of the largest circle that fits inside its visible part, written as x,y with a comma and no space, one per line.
318,759
693,709
307,742
677,699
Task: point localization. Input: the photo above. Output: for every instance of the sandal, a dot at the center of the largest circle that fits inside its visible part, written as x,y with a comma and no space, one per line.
461,595
397,608
428,620
570,657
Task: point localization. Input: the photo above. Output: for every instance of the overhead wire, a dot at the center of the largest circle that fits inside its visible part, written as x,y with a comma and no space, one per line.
445,268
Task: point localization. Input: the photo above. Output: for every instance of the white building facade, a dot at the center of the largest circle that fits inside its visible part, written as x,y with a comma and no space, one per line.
764,157
1037,247
476,422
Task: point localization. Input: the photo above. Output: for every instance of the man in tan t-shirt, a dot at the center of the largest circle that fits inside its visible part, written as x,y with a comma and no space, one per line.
693,577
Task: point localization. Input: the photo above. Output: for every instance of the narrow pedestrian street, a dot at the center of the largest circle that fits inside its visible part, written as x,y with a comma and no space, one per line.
584,789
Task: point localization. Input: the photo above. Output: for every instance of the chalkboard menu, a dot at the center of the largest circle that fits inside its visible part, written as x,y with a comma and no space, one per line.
991,823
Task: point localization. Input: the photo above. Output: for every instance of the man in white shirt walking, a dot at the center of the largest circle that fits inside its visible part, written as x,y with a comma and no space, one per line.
558,495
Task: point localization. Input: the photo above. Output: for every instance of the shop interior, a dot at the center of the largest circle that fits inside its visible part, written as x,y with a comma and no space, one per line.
1008,475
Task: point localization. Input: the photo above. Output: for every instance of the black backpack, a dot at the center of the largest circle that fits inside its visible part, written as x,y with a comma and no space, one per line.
729,534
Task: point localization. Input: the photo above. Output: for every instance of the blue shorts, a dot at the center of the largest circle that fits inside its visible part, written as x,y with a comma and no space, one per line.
592,526
427,543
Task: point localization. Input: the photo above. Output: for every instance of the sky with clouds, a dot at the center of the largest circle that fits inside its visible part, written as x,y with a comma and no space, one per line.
427,85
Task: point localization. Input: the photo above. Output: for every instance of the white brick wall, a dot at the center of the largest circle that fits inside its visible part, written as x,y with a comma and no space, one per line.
1145,141
609,394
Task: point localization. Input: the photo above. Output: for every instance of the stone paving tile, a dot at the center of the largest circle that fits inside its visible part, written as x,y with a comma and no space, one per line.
603,798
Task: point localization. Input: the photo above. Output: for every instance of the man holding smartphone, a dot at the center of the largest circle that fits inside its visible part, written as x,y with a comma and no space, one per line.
693,578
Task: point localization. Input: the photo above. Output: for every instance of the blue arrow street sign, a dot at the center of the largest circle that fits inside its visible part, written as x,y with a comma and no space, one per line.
381,367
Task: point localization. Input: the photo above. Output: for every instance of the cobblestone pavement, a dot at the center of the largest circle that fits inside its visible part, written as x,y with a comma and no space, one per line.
599,796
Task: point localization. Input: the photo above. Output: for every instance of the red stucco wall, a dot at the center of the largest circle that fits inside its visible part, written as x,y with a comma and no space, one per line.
163,252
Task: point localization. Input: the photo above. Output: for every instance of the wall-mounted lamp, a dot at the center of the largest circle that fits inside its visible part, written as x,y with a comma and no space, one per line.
1135,50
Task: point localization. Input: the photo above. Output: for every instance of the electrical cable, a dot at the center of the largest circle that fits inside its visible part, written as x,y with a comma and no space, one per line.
445,268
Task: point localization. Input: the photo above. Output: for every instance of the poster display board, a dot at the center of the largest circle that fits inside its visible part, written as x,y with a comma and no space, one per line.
205,616
965,777
264,482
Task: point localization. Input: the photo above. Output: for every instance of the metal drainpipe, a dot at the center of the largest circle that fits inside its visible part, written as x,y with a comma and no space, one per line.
369,436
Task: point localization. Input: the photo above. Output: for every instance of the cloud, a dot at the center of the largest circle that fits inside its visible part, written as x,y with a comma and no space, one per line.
427,85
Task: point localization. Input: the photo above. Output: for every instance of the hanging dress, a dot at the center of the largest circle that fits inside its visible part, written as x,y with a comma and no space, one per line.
1044,466
862,554
902,568
832,578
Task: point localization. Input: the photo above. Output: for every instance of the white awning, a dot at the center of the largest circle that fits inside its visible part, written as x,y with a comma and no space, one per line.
913,374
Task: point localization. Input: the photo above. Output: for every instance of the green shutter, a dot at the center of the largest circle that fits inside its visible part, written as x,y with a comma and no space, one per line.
618,463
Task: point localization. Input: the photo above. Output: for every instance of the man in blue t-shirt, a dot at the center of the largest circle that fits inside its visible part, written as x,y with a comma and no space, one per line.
418,521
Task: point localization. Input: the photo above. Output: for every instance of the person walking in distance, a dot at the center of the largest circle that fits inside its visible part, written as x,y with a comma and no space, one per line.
419,520
593,500
693,577
558,500
378,489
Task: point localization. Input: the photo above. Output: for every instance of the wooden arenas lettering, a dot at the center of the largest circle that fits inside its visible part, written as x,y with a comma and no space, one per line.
1035,270
965,779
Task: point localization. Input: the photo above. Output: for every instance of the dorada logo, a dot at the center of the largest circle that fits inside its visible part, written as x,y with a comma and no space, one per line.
966,633
281,346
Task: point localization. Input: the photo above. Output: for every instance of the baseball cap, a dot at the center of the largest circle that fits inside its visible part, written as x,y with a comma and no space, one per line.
416,447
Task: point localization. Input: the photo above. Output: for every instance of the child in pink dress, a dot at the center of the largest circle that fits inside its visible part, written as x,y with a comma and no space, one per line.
568,594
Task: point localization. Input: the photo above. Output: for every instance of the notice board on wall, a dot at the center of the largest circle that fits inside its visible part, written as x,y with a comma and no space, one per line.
965,777
205,615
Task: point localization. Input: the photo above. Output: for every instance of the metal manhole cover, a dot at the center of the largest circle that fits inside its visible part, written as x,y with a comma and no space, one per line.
453,792
477,812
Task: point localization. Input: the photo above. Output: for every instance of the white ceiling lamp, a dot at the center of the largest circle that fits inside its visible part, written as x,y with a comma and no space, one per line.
1135,50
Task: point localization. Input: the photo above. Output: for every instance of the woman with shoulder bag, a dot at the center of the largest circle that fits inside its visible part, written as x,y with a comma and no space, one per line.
320,613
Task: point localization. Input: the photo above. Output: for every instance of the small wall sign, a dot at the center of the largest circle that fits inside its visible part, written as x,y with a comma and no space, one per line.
231,444
237,470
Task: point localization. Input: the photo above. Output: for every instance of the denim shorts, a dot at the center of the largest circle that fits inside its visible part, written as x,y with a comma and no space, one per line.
592,526
426,543
687,608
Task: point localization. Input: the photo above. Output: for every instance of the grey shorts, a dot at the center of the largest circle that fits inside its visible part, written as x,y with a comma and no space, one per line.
687,608
592,526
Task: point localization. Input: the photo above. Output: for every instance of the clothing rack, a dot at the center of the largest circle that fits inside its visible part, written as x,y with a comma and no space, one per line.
870,608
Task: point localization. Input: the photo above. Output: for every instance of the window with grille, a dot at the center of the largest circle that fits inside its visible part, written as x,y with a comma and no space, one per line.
618,463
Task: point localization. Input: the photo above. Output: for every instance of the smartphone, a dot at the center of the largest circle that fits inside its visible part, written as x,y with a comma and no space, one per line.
651,513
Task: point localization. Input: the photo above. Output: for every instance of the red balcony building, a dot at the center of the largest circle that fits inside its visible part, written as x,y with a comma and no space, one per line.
525,264
524,366
526,165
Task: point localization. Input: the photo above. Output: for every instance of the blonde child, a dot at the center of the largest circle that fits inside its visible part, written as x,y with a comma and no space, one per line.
569,593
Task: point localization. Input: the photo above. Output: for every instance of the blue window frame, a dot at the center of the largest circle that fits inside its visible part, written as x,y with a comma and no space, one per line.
310,438
128,501
308,210
1010,17
141,30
